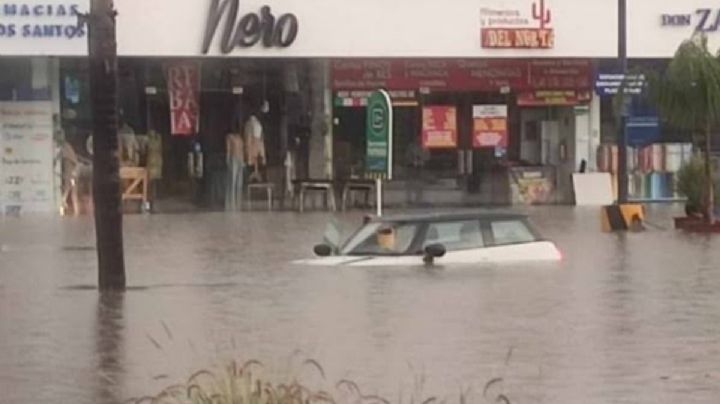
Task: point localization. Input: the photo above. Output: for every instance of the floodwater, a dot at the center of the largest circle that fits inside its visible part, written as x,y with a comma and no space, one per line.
631,318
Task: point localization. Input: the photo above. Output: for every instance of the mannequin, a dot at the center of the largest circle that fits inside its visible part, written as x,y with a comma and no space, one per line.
235,159
128,145
255,145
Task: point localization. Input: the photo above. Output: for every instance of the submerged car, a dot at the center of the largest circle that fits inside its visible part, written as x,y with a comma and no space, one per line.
466,238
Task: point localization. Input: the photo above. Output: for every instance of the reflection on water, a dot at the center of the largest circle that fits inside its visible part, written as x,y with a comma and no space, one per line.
624,318
109,347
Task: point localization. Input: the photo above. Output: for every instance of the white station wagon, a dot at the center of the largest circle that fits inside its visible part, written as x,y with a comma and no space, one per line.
467,238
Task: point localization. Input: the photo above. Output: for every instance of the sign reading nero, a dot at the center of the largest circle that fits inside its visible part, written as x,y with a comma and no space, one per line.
250,29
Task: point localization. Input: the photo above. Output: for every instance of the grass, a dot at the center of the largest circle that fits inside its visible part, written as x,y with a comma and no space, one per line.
246,383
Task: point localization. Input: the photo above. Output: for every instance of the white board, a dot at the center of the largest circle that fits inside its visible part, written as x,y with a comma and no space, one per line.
593,189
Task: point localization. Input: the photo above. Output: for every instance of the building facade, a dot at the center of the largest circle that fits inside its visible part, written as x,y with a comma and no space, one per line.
494,101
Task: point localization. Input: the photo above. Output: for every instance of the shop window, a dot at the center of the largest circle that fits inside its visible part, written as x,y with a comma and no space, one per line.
16,81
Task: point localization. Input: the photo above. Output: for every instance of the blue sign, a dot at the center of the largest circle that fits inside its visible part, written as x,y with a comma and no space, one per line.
608,84
643,124
642,130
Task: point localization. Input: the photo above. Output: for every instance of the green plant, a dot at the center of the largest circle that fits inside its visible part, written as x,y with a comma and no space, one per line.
247,384
687,95
691,184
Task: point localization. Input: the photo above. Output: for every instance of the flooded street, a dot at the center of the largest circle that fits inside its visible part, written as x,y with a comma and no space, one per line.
631,318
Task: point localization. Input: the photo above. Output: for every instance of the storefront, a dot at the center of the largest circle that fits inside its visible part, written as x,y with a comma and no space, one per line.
493,126
656,150
509,86
35,37
500,106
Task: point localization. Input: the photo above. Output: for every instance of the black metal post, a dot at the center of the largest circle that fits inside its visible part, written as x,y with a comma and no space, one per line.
622,140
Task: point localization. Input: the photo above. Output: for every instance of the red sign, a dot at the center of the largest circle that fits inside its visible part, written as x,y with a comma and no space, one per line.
183,88
518,38
462,74
490,126
553,98
564,74
439,130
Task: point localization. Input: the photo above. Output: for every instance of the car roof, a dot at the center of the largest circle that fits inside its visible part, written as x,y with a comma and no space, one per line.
449,216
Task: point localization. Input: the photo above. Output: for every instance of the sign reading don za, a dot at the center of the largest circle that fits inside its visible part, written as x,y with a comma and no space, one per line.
379,136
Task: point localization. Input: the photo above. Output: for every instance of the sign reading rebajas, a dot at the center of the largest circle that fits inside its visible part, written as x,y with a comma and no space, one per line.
183,89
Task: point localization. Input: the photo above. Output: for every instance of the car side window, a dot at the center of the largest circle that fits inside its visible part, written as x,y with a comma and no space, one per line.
454,236
386,239
511,232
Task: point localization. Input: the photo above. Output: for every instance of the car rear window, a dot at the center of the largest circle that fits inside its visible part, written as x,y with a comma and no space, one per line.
459,235
511,232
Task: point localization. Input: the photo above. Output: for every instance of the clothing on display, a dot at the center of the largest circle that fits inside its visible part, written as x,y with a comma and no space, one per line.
154,155
235,158
130,148
255,145
290,173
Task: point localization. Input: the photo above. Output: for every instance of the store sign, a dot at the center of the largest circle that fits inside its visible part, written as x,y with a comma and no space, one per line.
509,28
461,74
36,27
607,84
553,98
703,20
183,89
439,127
322,29
490,127
643,130
359,98
26,157
379,135
250,29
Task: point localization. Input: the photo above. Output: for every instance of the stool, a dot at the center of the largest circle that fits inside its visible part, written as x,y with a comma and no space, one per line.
325,187
264,186
351,187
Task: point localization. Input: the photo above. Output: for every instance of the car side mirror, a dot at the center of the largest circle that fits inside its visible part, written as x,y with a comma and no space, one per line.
323,250
434,251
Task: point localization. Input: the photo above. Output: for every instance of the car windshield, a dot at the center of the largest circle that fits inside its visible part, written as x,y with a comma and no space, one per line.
381,239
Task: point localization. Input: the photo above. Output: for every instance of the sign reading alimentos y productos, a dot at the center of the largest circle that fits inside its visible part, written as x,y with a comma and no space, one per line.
42,27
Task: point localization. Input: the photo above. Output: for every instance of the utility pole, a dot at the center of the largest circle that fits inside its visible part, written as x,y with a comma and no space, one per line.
622,140
106,165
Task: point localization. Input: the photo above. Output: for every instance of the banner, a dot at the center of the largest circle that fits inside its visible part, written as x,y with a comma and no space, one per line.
26,165
462,74
439,129
379,135
490,126
183,89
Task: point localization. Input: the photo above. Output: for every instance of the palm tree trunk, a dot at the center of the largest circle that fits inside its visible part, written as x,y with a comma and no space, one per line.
106,178
710,184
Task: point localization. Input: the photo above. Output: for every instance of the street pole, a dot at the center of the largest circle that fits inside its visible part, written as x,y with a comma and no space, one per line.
106,177
622,133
